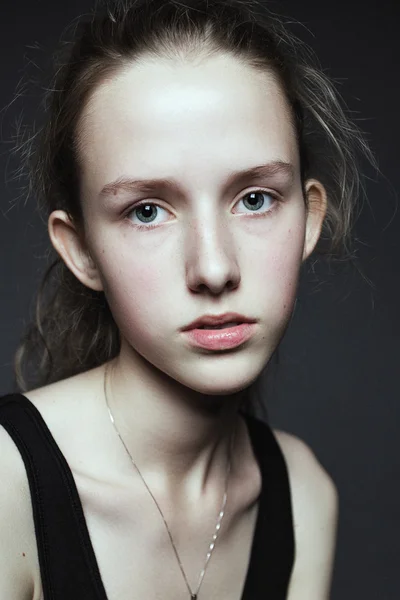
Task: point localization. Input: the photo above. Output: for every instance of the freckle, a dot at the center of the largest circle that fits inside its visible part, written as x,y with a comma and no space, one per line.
23,554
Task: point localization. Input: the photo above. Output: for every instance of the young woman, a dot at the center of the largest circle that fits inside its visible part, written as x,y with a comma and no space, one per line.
192,156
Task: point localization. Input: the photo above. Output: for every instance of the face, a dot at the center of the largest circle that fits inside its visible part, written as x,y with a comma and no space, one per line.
209,243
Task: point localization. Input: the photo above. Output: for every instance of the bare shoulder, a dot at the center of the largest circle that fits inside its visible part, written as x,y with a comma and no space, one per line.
79,425
315,505
17,536
303,464
69,419
68,408
67,392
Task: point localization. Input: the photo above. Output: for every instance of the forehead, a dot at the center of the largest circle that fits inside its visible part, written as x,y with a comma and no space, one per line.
164,118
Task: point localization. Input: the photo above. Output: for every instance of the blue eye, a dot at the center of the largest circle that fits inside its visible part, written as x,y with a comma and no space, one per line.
147,210
255,201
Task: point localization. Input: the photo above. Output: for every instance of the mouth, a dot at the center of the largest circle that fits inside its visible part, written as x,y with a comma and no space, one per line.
224,326
224,321
224,336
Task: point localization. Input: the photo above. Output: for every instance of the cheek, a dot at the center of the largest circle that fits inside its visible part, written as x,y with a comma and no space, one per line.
279,274
137,292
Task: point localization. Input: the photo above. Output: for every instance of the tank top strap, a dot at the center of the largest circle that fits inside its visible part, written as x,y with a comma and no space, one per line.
67,560
66,556
273,549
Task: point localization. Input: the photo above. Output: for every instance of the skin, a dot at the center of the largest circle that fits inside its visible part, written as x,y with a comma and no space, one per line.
174,404
205,255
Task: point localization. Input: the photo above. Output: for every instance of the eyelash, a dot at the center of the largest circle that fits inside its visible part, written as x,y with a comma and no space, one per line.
274,196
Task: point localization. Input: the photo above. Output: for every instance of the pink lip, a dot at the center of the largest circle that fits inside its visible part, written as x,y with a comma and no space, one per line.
221,339
205,320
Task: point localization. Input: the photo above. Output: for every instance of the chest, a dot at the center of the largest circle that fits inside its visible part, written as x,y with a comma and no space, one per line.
136,559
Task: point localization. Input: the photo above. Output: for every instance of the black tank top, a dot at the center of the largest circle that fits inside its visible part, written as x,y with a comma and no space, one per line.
67,561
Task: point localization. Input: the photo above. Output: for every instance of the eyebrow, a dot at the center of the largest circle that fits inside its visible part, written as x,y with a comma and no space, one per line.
126,184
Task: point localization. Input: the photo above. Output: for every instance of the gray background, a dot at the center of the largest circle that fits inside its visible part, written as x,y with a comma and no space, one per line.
337,386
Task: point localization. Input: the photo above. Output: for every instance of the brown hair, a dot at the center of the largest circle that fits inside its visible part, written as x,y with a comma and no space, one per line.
74,330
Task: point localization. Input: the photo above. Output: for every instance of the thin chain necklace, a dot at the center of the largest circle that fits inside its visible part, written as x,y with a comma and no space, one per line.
193,595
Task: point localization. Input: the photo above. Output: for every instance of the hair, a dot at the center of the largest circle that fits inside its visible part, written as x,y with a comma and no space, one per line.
73,329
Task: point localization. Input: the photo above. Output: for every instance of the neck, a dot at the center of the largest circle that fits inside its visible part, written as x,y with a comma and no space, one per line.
179,439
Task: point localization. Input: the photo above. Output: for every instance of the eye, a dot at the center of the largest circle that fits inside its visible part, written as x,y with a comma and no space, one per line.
255,201
146,212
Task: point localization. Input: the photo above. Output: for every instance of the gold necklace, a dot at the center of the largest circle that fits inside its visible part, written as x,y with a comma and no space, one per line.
193,595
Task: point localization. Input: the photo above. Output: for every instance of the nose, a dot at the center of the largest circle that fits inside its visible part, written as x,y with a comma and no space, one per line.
211,257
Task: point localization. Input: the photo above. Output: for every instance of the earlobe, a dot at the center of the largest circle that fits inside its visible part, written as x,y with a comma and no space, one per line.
68,244
317,206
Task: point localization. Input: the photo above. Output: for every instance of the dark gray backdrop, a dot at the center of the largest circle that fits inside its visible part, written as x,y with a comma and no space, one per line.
337,387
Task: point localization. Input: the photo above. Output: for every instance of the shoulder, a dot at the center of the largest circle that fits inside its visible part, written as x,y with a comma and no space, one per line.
303,463
315,505
17,535
314,493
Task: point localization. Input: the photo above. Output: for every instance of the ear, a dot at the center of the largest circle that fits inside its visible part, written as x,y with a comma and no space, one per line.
68,244
317,206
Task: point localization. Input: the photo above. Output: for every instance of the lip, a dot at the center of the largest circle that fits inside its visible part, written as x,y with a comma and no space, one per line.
218,320
221,339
